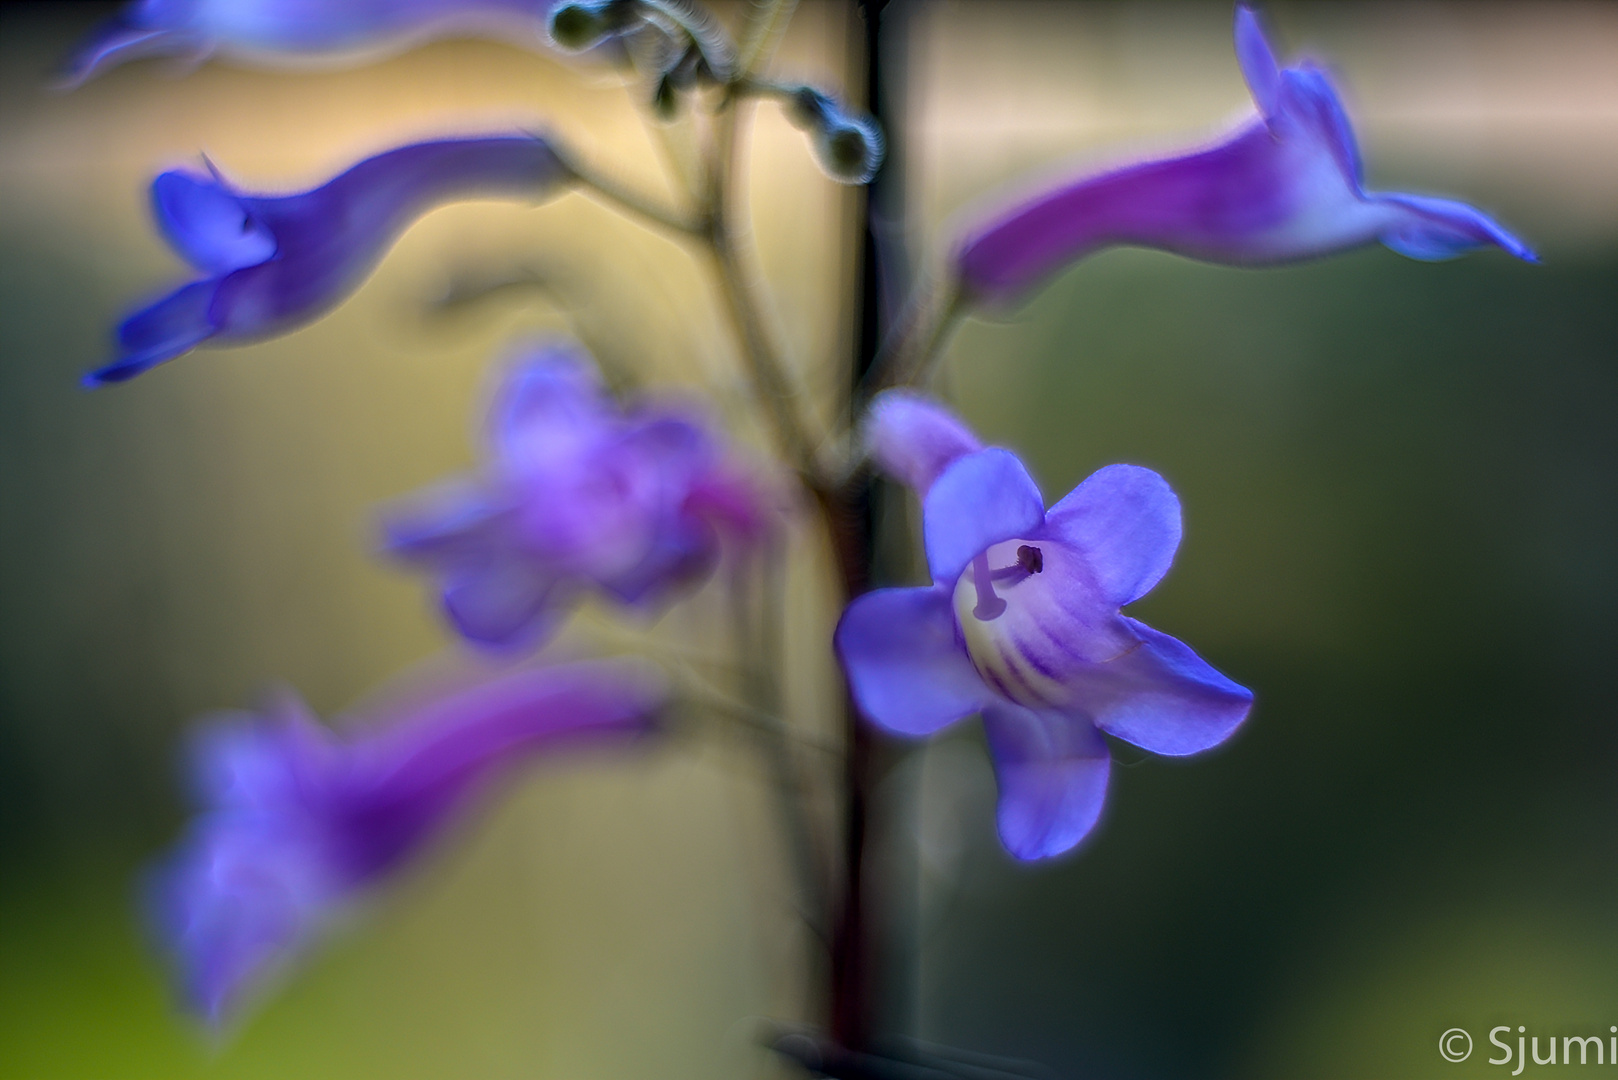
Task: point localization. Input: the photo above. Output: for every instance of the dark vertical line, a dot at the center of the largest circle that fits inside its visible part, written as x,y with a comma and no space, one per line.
856,957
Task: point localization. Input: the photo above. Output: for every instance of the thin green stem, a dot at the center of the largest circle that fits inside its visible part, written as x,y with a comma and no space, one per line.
911,351
759,643
637,204
767,22
772,383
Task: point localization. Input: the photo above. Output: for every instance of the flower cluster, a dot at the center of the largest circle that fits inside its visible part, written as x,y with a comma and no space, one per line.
579,494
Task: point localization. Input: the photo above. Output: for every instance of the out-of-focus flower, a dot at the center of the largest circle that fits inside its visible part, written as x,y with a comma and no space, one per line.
1022,624
1287,186
577,495
277,262
283,32
296,821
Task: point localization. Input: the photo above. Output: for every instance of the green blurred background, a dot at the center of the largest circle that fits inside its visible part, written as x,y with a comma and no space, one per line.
1401,520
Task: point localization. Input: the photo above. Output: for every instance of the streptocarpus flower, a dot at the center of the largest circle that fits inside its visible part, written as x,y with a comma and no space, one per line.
1022,624
276,262
295,821
1285,187
281,32
577,495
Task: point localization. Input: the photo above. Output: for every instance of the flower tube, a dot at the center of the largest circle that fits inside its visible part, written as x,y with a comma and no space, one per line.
1022,625
1285,187
276,263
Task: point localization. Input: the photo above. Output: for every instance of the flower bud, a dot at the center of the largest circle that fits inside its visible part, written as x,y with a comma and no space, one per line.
580,24
849,148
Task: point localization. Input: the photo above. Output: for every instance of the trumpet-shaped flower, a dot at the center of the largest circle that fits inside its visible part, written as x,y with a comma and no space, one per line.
1022,625
577,495
275,263
1285,187
295,821
282,32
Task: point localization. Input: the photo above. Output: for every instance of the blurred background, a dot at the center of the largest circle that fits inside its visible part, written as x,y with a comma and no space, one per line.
1401,517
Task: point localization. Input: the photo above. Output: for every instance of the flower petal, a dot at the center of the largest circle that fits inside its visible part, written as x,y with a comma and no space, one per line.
1163,697
504,601
1257,60
981,499
208,224
1433,229
1052,771
914,439
171,327
1125,521
905,667
1310,113
240,897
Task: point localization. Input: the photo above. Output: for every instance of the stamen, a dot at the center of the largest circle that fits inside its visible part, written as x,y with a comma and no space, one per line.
1031,559
989,605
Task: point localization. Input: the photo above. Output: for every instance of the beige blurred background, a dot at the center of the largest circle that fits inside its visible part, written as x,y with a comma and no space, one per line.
1398,480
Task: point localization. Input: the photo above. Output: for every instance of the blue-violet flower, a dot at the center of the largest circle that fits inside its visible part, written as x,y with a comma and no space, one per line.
1284,187
577,495
295,821
279,32
1022,624
275,263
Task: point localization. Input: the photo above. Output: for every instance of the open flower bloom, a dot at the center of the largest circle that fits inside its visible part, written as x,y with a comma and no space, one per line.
295,821
282,32
1022,624
1284,187
275,263
577,495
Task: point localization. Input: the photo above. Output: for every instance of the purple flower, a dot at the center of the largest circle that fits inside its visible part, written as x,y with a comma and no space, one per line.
1022,624
282,31
577,495
275,263
1287,186
296,821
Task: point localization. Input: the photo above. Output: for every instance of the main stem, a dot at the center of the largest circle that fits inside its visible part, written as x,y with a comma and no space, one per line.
844,507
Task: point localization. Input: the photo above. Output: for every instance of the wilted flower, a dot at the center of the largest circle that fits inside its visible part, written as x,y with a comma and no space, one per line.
296,821
281,31
1022,624
1287,186
577,495
277,262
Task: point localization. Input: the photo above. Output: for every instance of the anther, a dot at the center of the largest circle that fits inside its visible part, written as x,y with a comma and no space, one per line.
1030,558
